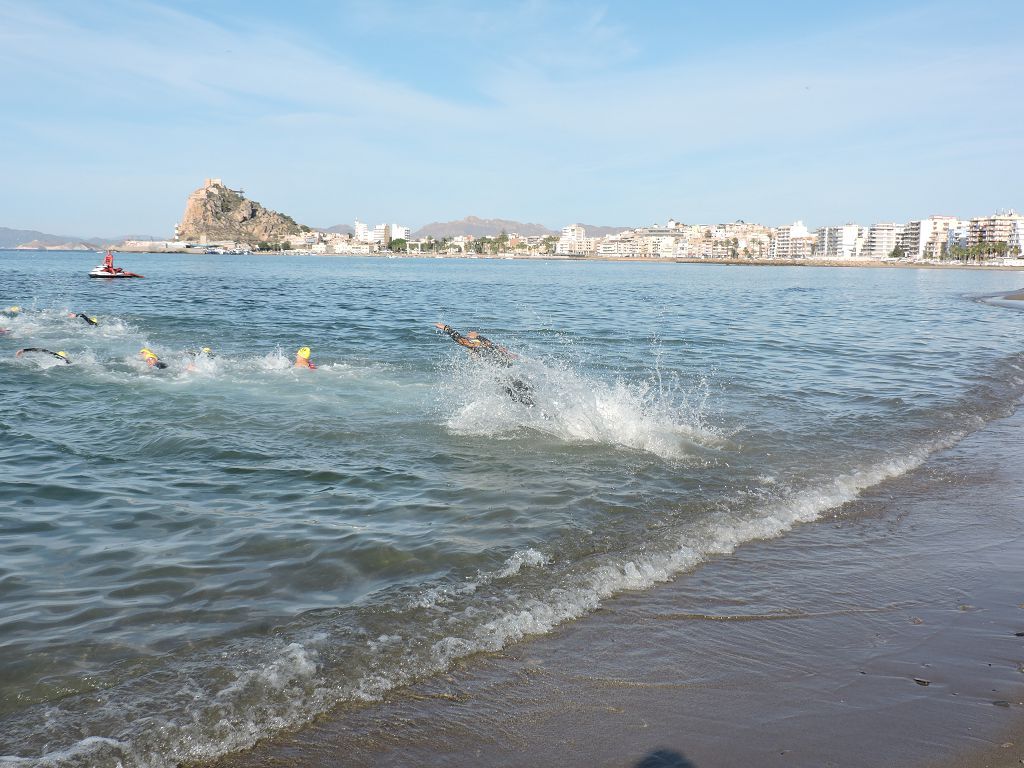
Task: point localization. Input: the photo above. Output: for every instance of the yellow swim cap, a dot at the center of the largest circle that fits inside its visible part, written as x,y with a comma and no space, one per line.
13,309
146,352
206,350
63,354
94,319
303,353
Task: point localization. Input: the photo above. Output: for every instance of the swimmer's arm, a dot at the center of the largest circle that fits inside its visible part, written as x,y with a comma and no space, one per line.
457,337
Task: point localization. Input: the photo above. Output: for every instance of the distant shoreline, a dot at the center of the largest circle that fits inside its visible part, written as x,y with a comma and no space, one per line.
734,262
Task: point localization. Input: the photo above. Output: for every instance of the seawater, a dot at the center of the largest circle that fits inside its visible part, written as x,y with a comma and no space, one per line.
193,559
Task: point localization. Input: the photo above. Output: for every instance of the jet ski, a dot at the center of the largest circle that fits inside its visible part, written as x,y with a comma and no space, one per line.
108,270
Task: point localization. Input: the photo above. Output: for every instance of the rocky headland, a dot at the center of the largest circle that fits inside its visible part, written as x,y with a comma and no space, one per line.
216,213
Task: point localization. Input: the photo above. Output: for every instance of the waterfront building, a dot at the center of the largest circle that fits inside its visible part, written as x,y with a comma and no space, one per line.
381,235
623,245
881,240
398,232
361,232
792,242
1016,241
842,242
996,228
958,234
924,238
574,242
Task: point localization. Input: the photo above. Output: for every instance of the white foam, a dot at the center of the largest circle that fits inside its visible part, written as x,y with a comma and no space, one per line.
648,415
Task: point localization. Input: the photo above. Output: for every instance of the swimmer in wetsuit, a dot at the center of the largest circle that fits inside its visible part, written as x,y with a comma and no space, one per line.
62,356
151,359
484,349
479,346
83,316
204,353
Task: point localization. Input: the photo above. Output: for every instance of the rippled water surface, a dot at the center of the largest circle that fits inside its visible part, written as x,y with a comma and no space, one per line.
196,556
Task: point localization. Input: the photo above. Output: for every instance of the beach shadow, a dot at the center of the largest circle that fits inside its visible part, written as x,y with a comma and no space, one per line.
665,758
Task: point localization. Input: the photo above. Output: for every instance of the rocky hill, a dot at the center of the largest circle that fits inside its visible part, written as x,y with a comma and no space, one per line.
471,225
214,212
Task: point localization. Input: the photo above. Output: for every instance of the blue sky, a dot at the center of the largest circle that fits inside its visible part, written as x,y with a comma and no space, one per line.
552,112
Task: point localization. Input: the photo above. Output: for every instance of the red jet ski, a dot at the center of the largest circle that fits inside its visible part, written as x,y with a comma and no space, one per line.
108,270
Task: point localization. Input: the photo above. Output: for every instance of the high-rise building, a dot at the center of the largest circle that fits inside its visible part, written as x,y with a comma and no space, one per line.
792,242
362,232
842,242
381,235
881,240
996,228
574,242
924,238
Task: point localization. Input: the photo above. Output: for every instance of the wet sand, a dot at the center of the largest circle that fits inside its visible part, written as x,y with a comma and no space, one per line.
886,635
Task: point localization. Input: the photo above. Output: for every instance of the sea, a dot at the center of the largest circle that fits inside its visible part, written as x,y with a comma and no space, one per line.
197,557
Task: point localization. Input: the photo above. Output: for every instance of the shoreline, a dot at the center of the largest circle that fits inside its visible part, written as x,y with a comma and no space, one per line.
883,634
737,262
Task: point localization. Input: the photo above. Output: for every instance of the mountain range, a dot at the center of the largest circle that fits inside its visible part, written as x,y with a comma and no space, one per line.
12,238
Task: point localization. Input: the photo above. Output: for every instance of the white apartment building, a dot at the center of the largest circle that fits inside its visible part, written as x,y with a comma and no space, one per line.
924,238
623,245
842,242
574,242
996,228
792,242
381,235
881,240
361,233
1016,240
959,234
398,232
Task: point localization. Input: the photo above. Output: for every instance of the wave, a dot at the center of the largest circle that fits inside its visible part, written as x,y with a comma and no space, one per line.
666,419
225,699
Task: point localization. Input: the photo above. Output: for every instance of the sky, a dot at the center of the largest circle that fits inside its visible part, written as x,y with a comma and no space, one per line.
618,114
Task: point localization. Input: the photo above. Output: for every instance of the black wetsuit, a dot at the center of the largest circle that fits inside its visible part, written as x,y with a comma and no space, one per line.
87,319
485,349
46,351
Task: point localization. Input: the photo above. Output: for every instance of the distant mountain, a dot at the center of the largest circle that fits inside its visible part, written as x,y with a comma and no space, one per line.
38,245
595,231
471,225
11,238
341,229
30,238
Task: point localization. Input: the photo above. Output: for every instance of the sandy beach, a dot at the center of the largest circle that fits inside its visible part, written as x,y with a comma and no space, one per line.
889,635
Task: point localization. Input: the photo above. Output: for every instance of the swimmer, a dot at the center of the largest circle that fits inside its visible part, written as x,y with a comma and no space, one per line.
151,359
483,348
10,311
479,346
205,352
83,316
62,356
302,359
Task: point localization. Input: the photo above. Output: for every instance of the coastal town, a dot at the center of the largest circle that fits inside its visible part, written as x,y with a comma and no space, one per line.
219,219
996,239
